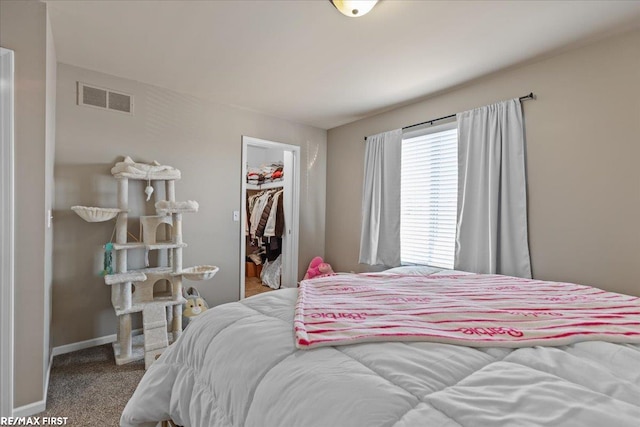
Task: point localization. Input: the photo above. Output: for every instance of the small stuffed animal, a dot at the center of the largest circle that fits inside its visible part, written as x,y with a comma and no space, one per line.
194,306
318,268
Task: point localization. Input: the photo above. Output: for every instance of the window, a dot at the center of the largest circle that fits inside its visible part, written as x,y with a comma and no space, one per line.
429,194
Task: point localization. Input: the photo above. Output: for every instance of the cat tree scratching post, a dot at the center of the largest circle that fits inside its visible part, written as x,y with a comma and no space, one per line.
177,268
124,289
134,291
167,254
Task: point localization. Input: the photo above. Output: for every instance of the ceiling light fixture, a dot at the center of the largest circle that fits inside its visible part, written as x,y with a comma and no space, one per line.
354,8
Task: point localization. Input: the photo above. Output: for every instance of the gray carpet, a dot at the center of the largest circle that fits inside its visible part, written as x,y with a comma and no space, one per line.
88,387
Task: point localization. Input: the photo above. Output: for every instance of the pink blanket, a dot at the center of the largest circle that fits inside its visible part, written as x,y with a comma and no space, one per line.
471,310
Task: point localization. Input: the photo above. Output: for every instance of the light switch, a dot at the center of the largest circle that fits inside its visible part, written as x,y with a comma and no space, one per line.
236,216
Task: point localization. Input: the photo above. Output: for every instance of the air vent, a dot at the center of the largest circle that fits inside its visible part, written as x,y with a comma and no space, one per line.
106,99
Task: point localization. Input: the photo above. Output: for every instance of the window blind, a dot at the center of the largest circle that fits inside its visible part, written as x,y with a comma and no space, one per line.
429,192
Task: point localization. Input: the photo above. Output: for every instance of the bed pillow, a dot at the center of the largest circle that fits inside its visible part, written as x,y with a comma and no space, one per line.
416,270
450,272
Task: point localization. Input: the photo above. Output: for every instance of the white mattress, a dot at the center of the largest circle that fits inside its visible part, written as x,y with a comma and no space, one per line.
237,365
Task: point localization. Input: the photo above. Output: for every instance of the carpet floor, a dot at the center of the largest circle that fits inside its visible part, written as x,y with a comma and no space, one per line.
89,388
253,286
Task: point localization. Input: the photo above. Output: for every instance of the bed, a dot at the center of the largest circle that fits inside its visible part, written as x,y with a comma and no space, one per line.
245,364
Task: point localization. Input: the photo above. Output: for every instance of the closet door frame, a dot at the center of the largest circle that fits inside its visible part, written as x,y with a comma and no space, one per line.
7,238
291,206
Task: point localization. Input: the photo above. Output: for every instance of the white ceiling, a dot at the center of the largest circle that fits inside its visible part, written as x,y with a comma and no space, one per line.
305,62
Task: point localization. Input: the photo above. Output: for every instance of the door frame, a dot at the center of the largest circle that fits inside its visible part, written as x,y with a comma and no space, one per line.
291,206
7,248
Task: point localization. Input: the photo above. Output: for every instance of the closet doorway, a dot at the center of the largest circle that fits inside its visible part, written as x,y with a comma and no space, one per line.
270,177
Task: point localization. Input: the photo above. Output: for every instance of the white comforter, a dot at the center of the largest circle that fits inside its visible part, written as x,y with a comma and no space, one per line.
237,365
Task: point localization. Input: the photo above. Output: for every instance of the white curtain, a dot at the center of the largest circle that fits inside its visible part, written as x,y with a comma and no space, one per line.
492,200
380,236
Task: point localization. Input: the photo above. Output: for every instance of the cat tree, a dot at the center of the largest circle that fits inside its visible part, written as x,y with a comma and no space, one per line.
142,290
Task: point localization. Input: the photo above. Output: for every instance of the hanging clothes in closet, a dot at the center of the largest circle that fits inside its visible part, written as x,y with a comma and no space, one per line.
265,224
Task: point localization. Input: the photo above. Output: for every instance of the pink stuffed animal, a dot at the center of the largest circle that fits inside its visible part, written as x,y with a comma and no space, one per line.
318,268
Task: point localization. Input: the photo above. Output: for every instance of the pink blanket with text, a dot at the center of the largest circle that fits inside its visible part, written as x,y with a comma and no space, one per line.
471,310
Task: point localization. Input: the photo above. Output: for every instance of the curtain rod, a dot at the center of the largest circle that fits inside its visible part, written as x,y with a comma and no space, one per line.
522,98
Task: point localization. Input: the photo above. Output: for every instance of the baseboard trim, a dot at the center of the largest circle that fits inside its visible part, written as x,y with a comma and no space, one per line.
94,342
46,380
39,406
30,409
81,345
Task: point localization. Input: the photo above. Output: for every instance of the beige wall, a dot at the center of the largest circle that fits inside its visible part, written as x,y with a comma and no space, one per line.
24,29
203,140
583,151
